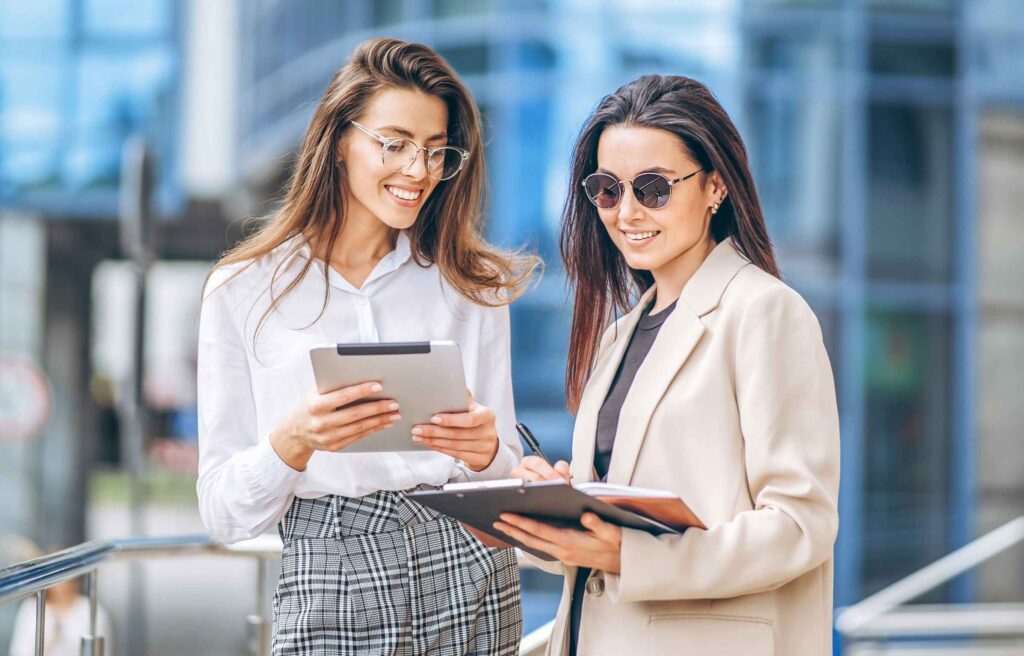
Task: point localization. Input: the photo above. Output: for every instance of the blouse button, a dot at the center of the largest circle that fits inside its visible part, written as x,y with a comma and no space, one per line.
595,585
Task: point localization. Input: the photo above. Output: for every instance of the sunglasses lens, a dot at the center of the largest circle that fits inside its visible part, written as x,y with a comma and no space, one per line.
652,190
603,190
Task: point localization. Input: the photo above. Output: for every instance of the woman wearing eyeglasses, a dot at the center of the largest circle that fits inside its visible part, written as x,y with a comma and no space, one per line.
715,386
378,239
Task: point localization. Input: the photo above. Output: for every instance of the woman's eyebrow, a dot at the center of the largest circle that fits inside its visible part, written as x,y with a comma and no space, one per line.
653,169
402,132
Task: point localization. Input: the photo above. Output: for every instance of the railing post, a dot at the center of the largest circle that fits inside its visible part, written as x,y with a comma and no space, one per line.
40,621
257,625
92,644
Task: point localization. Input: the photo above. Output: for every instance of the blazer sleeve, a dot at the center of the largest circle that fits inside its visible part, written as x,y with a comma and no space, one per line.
786,399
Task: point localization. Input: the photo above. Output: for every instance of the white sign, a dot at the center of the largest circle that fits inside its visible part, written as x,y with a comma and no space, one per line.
24,399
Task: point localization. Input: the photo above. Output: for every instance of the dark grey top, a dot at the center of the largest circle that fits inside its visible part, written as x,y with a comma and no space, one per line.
607,424
608,418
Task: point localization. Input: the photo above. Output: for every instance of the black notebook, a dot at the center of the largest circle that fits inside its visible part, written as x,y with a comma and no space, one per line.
479,505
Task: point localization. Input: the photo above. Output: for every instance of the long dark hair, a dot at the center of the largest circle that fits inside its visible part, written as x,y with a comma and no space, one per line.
597,271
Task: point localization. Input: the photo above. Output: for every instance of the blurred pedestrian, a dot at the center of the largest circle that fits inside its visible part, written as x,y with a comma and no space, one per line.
66,620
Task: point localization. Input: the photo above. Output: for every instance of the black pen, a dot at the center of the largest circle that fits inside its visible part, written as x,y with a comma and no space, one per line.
532,442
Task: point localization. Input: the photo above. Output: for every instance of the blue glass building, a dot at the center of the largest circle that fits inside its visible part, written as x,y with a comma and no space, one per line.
866,122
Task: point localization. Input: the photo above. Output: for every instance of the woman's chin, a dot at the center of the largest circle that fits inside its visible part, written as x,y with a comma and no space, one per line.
640,262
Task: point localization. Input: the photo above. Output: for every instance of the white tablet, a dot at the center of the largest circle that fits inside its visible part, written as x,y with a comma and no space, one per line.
424,377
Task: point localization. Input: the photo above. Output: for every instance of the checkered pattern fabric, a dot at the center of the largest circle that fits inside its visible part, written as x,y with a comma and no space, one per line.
382,574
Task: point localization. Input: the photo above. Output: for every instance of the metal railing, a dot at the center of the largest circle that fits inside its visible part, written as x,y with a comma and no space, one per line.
866,627
34,577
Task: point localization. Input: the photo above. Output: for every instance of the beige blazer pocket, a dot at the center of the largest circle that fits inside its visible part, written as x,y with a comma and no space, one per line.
701,634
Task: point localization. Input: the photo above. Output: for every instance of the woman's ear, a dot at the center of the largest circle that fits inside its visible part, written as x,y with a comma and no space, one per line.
716,188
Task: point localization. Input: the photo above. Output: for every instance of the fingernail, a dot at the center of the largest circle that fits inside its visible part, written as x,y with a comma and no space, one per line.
376,387
435,420
417,439
417,431
392,406
395,418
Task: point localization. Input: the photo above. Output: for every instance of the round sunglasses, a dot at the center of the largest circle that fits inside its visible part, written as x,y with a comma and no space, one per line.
652,190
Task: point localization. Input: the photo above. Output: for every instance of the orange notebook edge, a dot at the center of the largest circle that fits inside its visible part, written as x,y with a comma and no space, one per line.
671,512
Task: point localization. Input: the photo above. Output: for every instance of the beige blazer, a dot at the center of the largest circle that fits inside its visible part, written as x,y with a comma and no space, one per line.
734,410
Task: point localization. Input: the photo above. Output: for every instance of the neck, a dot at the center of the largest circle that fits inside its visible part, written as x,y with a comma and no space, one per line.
673,276
362,242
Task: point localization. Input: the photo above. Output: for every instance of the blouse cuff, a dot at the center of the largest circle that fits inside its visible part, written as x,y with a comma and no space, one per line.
266,474
504,461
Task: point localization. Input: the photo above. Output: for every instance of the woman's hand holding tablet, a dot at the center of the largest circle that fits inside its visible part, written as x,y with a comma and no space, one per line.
330,422
471,437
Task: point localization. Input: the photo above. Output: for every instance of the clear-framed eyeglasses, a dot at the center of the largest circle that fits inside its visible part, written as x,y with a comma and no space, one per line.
399,153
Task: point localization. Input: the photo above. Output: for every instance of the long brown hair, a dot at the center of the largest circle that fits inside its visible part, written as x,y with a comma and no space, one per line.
597,271
448,230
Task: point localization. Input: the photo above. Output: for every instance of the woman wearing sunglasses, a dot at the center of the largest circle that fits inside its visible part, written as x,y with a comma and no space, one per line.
378,240
715,386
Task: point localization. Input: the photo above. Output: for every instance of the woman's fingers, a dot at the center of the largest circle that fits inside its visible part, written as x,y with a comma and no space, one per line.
543,470
325,403
478,415
460,445
602,530
353,414
339,438
530,539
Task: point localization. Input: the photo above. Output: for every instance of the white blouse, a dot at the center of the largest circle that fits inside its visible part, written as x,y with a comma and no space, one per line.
244,392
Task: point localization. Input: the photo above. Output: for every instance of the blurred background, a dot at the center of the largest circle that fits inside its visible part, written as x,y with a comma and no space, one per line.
886,139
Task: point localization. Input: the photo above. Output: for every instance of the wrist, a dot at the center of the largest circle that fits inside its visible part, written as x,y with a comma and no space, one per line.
290,450
490,461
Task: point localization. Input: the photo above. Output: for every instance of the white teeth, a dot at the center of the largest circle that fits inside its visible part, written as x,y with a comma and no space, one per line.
640,236
404,194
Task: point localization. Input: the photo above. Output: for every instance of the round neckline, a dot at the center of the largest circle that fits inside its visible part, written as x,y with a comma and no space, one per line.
649,321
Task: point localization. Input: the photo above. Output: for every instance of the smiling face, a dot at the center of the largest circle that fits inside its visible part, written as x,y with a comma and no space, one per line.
672,240
392,197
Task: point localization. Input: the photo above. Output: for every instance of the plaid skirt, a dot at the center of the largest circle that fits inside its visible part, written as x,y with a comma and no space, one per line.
382,574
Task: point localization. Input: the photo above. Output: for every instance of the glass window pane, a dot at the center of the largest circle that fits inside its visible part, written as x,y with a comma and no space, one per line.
468,59
386,12
914,59
907,444
30,98
809,53
911,192
443,8
794,149
127,17
39,19
28,166
915,6
120,91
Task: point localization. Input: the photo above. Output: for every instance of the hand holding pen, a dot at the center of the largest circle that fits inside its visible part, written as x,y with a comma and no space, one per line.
537,467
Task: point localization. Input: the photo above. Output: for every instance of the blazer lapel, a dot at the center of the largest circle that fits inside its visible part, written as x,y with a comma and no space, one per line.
585,430
678,337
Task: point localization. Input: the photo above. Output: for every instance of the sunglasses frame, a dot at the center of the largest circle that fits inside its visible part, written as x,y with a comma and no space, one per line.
621,182
385,143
